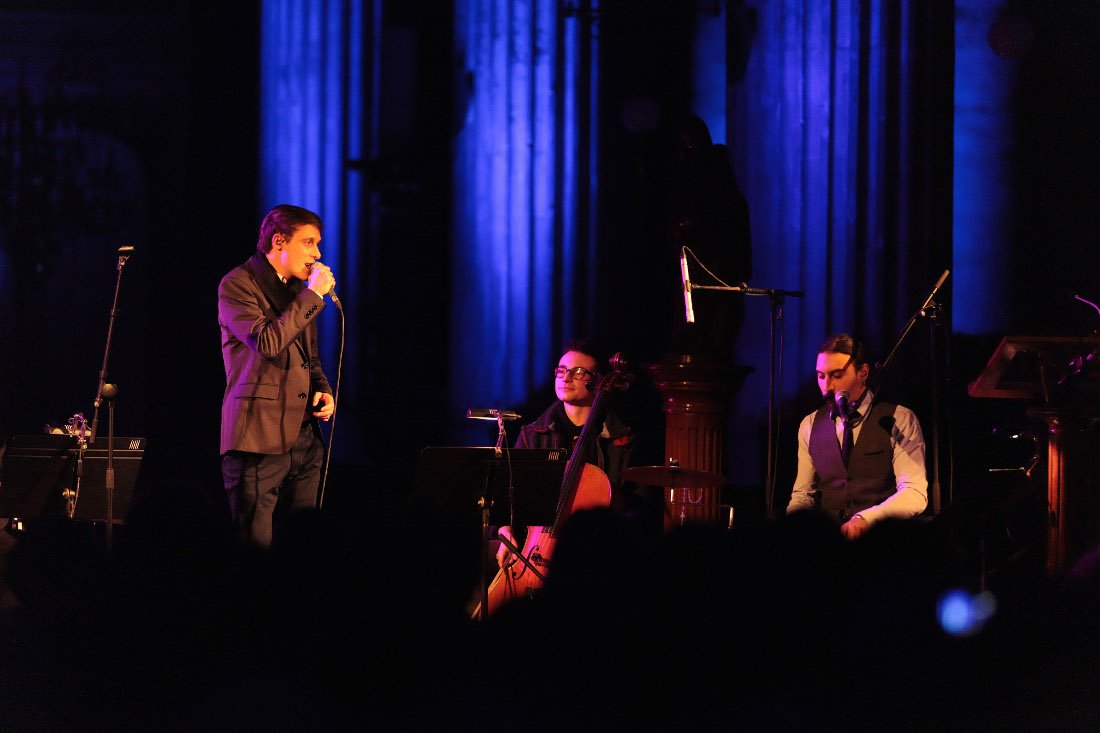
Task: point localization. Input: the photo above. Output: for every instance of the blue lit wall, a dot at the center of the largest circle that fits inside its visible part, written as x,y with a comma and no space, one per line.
516,234
311,117
983,182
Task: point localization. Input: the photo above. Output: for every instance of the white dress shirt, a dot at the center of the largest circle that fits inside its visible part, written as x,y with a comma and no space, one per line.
907,441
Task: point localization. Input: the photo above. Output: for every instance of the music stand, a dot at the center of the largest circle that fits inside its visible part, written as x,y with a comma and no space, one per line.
517,487
39,469
1032,367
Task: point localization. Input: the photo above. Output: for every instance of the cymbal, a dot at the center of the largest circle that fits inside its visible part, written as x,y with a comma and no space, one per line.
671,477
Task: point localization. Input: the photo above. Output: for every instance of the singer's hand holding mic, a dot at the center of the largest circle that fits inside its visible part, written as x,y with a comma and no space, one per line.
322,281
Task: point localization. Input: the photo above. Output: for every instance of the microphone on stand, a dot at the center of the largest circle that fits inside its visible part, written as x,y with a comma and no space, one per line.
930,300
841,397
689,314
481,413
124,253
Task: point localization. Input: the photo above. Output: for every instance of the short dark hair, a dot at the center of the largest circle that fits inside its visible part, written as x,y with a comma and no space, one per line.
587,347
844,343
284,219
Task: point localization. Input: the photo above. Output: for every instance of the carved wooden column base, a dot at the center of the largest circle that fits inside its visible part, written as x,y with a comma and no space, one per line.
1073,504
696,395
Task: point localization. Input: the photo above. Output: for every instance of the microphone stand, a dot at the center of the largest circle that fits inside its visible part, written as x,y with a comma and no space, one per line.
109,392
78,427
930,309
123,255
485,502
84,438
776,296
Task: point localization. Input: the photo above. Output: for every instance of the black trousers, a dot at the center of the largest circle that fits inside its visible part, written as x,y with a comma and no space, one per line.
263,489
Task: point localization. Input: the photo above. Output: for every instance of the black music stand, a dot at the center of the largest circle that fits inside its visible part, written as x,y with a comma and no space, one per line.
517,487
1037,367
39,469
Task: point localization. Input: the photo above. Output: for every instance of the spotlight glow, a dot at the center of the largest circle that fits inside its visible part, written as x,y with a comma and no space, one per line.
963,614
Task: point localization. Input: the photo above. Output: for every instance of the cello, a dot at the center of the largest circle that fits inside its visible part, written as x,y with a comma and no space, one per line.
583,486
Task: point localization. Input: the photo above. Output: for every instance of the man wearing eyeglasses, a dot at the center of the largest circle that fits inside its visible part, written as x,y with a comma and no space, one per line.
560,425
859,461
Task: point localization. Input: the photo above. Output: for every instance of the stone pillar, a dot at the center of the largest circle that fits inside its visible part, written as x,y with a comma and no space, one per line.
696,395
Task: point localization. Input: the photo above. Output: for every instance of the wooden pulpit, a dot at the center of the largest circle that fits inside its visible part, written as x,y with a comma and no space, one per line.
1059,378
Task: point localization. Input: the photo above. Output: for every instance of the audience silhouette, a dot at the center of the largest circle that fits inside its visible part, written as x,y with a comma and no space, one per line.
773,625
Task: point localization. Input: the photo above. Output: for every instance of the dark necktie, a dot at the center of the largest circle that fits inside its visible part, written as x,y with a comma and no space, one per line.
846,442
849,421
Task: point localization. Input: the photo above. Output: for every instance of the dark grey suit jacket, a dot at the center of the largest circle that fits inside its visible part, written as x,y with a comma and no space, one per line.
269,347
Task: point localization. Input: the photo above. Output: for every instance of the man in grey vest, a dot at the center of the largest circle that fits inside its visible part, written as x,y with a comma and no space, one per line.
859,461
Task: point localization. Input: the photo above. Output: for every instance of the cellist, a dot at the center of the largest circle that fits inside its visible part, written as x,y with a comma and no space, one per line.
560,426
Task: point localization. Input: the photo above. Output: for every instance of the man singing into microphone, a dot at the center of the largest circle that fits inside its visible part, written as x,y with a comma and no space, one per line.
859,461
275,389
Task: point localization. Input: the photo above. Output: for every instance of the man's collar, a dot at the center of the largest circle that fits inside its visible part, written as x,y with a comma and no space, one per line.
863,404
281,279
859,409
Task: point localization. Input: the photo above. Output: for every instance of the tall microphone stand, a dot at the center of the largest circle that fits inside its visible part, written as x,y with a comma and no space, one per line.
777,297
108,392
123,255
930,309
485,503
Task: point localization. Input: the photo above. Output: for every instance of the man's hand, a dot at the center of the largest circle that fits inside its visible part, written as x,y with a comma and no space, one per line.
505,557
321,279
323,405
854,527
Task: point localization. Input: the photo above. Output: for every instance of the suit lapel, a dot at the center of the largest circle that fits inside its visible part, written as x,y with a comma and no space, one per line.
278,294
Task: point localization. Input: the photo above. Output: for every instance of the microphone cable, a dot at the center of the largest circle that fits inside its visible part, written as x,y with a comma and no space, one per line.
687,250
335,402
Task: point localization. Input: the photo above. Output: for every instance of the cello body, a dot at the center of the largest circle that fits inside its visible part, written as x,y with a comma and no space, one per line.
517,580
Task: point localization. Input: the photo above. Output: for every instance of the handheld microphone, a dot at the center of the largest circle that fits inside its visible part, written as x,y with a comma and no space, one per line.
689,314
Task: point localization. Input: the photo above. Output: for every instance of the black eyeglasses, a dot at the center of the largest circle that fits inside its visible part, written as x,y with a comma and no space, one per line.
574,373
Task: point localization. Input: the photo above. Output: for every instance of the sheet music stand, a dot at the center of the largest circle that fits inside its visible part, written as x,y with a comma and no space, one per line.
468,481
37,469
1029,367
